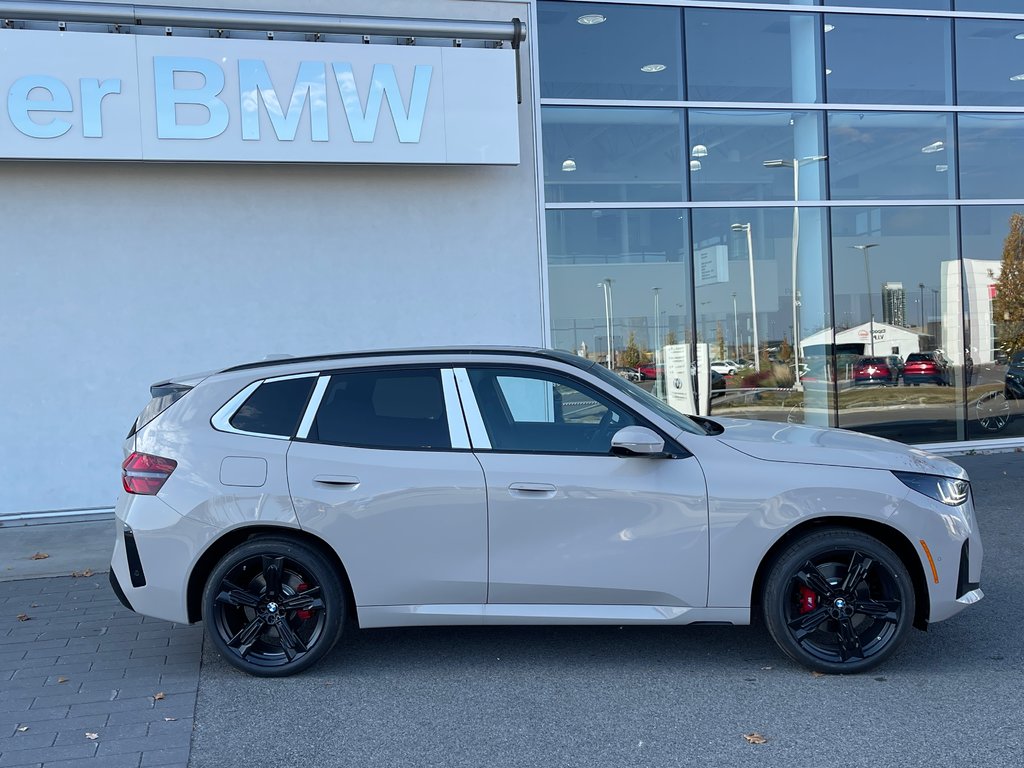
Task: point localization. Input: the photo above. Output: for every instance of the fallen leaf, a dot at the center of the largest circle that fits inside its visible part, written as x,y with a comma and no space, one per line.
22,728
159,696
39,556
79,574
170,719
755,738
816,673
92,736
23,617
62,679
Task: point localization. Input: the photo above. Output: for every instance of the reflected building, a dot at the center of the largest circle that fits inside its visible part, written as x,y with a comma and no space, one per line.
894,304
791,212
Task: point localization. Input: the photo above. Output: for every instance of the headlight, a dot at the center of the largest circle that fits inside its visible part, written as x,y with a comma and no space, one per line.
948,490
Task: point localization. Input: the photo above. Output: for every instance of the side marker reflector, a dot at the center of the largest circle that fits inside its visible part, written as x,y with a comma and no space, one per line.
931,561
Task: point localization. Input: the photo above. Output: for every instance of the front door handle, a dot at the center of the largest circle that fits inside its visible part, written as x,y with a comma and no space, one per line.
337,481
532,490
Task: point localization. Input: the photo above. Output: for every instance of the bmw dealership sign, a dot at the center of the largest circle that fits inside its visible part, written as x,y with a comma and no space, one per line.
74,95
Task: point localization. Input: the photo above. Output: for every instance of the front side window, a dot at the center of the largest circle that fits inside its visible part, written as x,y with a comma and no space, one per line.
396,409
541,412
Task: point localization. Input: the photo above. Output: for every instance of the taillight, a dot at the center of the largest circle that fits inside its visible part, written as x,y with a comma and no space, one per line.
145,474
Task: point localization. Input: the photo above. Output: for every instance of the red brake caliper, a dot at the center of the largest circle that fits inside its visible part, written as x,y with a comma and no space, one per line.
808,600
303,614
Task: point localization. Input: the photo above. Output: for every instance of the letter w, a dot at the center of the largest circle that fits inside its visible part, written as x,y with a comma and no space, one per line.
363,124
255,86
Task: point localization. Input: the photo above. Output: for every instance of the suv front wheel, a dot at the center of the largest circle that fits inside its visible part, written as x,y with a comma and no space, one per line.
838,601
273,607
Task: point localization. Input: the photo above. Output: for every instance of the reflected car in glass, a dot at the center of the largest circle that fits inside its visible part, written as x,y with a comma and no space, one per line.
1013,385
876,370
926,368
279,502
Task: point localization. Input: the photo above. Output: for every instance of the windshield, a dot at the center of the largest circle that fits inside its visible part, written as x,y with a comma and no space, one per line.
647,399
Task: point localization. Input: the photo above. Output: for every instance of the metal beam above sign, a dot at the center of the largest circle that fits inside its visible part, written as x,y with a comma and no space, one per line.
167,16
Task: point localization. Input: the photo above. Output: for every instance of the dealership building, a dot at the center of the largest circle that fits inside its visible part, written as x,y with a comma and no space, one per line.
795,186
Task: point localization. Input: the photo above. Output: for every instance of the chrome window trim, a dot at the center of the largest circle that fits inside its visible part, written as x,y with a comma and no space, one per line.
312,407
780,204
474,419
713,4
457,430
774,106
221,420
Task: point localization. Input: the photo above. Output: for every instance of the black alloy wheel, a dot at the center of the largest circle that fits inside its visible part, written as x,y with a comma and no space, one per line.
273,607
838,601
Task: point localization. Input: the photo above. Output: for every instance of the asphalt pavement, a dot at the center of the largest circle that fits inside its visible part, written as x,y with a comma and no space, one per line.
513,696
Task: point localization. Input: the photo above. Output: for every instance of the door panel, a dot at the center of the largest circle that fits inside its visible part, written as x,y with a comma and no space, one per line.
629,531
409,526
376,477
568,522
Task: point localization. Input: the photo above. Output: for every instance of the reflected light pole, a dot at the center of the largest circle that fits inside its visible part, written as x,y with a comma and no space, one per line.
795,164
753,290
921,286
735,329
865,249
606,286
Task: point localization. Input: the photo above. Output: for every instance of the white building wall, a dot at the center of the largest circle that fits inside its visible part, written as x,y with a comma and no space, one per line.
115,275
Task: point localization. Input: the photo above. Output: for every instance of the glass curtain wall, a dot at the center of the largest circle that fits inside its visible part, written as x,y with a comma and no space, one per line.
831,225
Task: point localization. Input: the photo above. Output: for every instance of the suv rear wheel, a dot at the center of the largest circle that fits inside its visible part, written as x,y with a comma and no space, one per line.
273,607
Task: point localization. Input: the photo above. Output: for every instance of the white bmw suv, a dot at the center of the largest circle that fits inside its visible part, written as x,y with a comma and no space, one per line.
279,502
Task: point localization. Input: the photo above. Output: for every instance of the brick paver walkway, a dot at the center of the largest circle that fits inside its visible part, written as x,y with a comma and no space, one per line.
84,682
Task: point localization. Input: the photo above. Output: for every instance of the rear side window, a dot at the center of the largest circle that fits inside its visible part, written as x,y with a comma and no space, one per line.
397,410
275,407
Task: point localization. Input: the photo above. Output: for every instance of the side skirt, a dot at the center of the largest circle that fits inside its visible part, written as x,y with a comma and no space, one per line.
371,616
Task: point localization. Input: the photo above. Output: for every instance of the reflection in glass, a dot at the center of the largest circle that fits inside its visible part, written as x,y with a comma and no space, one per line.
994,6
899,353
891,155
888,60
753,56
596,51
750,154
990,62
927,5
995,319
744,262
623,275
991,155
613,154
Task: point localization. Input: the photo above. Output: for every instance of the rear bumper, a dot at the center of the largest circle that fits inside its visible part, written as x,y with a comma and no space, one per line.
154,551
116,586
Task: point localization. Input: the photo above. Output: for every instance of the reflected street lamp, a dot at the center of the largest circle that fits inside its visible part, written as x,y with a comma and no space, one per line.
795,164
606,286
735,329
865,249
921,286
753,290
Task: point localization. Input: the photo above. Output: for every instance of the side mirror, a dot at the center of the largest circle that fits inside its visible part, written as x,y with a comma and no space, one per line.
638,441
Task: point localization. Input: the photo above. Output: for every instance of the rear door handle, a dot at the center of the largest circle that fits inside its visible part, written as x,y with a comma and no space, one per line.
337,481
532,490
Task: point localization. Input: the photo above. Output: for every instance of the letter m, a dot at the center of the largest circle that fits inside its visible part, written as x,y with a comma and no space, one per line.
256,86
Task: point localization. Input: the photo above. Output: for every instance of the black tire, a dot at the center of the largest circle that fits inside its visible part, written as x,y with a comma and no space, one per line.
273,607
838,601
